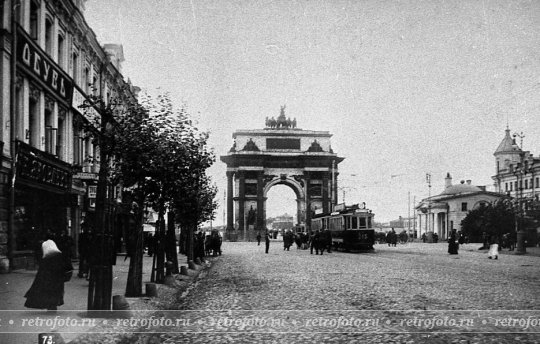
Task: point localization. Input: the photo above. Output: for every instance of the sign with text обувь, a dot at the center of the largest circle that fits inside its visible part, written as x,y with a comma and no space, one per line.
39,65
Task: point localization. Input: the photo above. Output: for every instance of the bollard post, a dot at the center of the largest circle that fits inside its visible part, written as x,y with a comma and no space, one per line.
168,268
191,265
121,305
183,270
151,290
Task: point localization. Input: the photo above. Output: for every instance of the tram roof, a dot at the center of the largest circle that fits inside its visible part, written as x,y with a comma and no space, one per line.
349,210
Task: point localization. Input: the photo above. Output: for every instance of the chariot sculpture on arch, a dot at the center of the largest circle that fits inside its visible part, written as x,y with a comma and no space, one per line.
281,122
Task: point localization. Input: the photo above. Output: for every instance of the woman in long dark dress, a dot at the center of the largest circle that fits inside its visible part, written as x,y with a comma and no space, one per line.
453,244
47,290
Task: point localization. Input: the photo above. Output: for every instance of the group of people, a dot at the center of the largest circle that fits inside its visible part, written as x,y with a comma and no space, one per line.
391,238
317,240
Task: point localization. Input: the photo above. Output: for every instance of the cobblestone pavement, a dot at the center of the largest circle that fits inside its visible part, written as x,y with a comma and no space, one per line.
413,293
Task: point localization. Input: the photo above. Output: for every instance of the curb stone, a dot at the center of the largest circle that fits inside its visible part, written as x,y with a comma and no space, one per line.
144,306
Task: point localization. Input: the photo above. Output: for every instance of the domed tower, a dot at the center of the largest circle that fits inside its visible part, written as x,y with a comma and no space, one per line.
507,153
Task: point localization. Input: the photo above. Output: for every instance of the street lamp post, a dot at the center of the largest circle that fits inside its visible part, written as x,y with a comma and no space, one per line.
428,217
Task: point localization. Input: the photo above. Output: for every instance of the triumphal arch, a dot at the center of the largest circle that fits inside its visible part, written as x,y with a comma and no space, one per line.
283,154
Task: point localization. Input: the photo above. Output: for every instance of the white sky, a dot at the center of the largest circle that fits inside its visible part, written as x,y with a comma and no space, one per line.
405,87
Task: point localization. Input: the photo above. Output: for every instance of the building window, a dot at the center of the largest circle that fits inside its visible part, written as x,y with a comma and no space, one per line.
464,206
48,36
60,137
33,131
61,50
95,88
86,80
78,147
505,186
34,20
75,69
537,182
50,133
515,185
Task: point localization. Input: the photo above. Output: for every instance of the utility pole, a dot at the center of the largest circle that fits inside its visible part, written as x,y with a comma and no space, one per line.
428,217
409,212
414,217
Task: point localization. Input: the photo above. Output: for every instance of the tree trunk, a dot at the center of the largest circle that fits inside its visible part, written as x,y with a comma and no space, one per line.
191,241
160,254
134,279
172,256
100,289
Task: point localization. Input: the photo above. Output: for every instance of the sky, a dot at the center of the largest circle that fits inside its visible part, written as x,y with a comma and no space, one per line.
405,87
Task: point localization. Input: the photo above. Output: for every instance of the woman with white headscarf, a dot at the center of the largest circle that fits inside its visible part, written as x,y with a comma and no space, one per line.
47,290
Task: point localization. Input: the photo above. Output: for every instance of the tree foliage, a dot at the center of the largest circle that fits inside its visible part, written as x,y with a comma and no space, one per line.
495,219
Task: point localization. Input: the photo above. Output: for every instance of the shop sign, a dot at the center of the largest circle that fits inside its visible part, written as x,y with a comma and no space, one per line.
33,165
339,207
39,64
86,176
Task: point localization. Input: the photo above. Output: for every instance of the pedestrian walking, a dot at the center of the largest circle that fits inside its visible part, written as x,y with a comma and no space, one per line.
315,242
47,290
453,244
259,239
267,241
84,251
493,252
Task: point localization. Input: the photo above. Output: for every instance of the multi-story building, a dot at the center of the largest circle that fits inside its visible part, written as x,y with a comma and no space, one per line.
517,175
51,63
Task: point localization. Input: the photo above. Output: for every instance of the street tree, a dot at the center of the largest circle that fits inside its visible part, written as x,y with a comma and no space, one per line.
178,156
493,219
103,121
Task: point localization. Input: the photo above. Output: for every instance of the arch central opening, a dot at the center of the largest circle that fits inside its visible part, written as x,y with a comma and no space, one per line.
281,209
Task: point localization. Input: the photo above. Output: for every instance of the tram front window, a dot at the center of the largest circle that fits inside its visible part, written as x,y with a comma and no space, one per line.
362,222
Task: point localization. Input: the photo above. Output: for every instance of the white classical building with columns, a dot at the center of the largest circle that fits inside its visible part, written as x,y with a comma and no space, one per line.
443,212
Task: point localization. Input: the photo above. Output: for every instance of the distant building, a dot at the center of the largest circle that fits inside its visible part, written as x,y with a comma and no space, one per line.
517,175
406,223
517,172
283,222
445,211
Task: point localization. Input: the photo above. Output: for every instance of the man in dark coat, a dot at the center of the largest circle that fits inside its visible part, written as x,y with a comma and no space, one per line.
314,244
267,241
328,240
259,239
84,251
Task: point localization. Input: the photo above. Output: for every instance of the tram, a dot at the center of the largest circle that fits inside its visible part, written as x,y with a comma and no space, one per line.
351,227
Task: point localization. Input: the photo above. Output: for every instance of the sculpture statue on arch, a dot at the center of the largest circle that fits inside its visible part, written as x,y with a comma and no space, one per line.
252,215
282,120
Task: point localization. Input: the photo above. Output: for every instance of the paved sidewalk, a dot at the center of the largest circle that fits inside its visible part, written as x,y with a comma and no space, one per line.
14,285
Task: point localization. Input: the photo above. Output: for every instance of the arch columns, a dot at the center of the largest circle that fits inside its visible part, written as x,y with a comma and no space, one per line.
230,204
241,200
260,223
307,177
